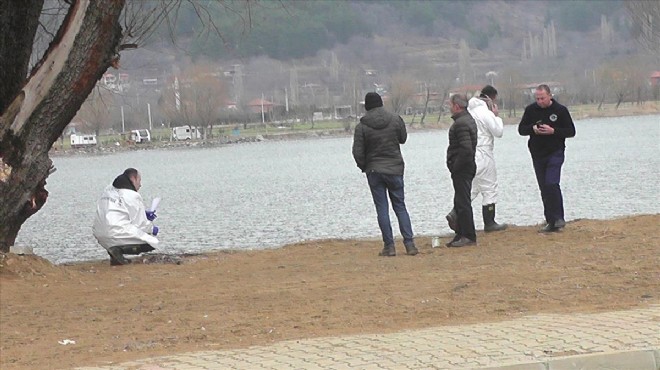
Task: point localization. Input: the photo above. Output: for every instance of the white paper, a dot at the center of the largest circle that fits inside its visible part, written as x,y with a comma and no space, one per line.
154,204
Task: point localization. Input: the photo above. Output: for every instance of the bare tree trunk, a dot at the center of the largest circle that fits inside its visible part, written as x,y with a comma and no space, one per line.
40,107
619,100
445,93
426,106
600,104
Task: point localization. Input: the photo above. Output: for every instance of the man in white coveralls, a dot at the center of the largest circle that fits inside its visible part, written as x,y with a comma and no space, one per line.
122,226
489,126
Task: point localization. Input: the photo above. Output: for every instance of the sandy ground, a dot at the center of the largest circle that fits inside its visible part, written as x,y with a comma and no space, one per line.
319,288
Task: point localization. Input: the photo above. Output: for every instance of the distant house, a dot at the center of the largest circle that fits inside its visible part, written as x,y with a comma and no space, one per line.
256,106
655,78
468,90
231,105
529,89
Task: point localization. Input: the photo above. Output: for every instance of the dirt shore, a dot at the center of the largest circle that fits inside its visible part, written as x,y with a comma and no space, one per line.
316,288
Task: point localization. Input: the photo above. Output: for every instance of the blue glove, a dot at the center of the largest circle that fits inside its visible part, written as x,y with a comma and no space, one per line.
154,232
151,215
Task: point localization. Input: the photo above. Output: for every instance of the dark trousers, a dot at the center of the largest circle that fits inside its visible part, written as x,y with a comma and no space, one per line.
381,185
548,175
463,205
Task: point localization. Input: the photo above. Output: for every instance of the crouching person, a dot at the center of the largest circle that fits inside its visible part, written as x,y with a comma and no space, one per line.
122,226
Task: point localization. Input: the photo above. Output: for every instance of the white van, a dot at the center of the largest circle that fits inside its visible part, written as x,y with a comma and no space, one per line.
140,136
78,141
186,132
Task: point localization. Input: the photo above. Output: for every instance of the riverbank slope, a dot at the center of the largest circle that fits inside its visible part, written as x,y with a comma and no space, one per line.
316,288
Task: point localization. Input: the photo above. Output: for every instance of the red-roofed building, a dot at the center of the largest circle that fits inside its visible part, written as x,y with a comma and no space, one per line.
256,106
655,78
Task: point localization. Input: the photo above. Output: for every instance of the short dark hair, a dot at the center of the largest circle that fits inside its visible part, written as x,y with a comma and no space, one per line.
489,91
130,172
545,88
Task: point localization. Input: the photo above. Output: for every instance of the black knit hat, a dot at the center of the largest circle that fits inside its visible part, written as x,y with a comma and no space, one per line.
372,100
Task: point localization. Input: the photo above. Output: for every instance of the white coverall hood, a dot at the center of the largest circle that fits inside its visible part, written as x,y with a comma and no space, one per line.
489,127
121,219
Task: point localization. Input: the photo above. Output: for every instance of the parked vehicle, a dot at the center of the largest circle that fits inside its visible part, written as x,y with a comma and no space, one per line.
137,136
78,141
186,132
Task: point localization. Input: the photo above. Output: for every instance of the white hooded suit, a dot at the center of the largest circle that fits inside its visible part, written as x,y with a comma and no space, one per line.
489,127
121,219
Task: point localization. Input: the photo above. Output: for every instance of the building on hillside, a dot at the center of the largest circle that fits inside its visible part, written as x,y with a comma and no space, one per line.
260,105
655,78
528,90
468,90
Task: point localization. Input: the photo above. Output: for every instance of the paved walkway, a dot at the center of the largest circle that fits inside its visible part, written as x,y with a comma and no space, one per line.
623,340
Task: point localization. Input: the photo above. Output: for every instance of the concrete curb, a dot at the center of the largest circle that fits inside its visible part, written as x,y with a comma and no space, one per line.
620,360
618,340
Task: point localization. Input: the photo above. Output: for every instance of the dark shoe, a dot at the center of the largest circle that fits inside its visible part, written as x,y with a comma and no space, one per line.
411,250
456,238
495,227
136,249
116,257
549,228
452,220
488,212
388,252
462,242
560,224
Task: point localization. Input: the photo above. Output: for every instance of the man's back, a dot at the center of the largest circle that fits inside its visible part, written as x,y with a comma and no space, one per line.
377,139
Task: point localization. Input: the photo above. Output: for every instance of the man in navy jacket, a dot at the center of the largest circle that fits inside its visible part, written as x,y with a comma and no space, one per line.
548,124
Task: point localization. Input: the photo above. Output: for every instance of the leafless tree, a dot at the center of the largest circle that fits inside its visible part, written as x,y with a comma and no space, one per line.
623,80
645,15
401,89
201,94
94,114
49,69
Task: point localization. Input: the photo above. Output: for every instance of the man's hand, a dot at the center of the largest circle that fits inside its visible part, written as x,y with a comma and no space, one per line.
151,215
496,111
543,129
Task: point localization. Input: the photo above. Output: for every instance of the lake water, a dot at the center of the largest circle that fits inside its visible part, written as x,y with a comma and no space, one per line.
265,195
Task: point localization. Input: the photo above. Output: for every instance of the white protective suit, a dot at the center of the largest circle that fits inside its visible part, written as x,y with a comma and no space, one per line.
489,127
121,219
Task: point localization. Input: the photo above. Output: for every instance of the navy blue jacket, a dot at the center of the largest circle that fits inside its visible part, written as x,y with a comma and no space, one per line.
557,116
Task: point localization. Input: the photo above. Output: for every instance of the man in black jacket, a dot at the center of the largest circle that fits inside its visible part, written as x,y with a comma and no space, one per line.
376,149
548,124
461,164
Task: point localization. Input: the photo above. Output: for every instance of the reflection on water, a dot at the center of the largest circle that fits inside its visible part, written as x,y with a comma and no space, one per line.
264,195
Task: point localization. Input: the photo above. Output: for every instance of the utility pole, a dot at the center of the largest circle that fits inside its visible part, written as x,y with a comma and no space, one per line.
263,119
149,112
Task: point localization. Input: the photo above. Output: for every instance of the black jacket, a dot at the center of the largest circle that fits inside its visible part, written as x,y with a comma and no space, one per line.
462,144
376,142
557,116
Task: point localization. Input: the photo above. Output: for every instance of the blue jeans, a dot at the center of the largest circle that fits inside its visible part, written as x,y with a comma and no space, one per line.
380,185
548,175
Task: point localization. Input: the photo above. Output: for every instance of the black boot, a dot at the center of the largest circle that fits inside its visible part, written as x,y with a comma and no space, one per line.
136,249
388,251
489,219
452,220
411,250
117,257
